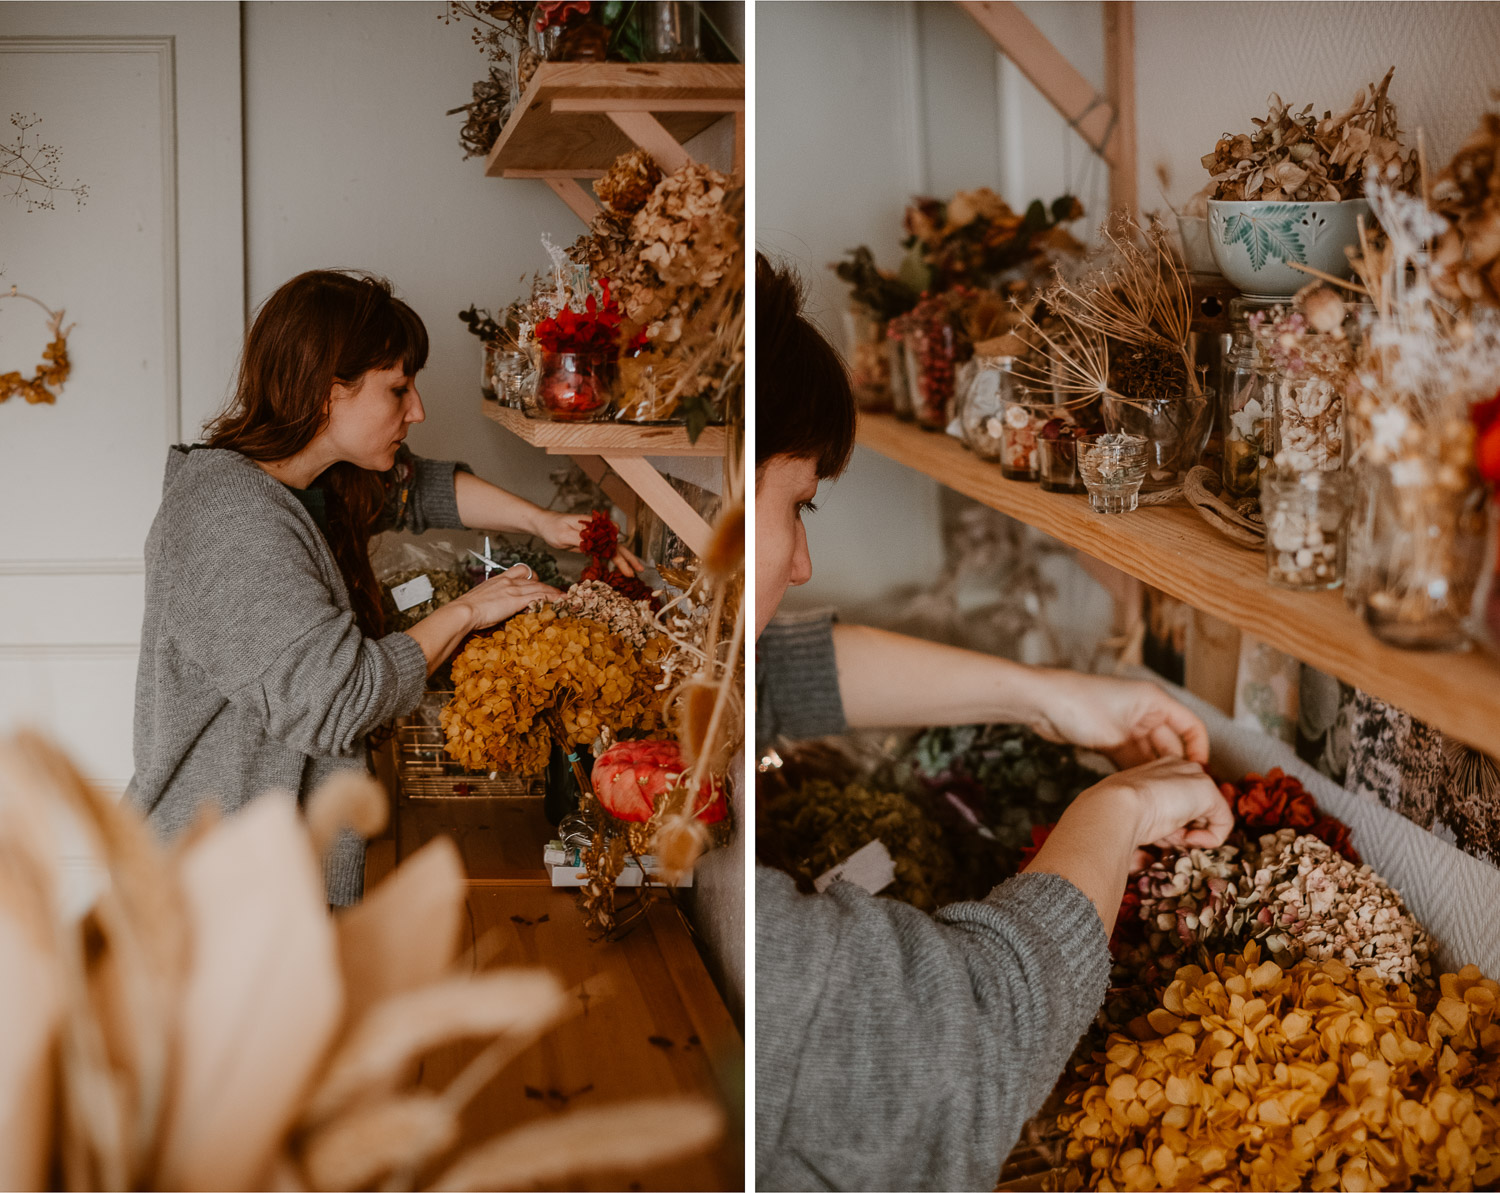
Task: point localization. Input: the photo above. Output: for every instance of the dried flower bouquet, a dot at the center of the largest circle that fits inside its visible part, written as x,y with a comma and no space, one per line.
205,1024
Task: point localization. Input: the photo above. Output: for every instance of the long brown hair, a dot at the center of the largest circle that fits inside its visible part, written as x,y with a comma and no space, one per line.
322,326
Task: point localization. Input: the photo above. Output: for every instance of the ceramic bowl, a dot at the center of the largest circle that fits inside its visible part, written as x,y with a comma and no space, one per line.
1256,243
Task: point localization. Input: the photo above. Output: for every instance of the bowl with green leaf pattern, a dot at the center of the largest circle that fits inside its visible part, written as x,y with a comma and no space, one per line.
1257,243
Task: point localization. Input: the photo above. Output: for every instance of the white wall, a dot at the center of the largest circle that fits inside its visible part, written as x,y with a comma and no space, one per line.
859,106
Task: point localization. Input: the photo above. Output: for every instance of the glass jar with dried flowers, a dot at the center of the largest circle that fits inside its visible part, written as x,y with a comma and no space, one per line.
869,363
984,404
670,30
1244,405
569,31
902,405
1057,456
1305,513
578,359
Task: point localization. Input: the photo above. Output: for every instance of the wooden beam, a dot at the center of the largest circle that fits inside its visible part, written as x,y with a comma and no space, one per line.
1213,660
668,503
739,144
614,488
647,132
579,201
1049,72
617,103
1119,87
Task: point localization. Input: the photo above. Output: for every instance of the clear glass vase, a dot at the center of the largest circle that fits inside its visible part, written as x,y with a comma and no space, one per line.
670,30
900,383
1305,515
1175,430
869,362
575,386
983,406
934,349
1417,552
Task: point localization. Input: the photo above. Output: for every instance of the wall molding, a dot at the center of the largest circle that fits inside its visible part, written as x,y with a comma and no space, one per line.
70,650
165,50
72,567
911,101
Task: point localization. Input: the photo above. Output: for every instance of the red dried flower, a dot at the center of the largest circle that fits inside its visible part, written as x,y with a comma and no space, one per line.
1486,416
1039,835
557,12
594,329
599,538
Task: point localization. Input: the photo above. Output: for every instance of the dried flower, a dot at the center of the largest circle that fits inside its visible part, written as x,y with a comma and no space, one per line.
628,183
1299,157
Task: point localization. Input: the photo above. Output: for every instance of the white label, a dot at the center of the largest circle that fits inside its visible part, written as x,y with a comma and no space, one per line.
869,867
413,592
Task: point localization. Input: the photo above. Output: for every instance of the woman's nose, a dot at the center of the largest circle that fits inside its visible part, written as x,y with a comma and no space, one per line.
801,571
415,413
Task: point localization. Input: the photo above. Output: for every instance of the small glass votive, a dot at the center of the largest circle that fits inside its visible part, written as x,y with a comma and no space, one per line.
1305,515
1057,462
1112,466
1018,440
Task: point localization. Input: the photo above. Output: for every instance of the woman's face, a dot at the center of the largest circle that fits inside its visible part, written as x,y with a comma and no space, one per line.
784,488
367,423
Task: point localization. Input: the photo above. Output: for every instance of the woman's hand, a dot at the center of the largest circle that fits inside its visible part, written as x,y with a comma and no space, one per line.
501,596
565,531
1095,844
1177,804
1129,721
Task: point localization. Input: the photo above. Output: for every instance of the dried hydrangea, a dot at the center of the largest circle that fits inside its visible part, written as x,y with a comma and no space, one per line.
628,183
597,601
685,231
1467,192
1314,903
1248,1075
1296,156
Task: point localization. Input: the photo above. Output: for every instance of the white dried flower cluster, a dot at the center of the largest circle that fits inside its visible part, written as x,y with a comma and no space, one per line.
1291,891
597,601
1310,422
1318,904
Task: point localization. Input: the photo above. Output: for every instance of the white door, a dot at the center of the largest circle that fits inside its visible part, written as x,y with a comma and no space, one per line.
139,103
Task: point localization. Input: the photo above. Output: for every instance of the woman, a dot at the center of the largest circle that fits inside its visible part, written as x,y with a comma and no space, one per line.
896,1049
264,657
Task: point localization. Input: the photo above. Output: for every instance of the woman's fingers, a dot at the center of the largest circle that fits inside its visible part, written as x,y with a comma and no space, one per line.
1165,743
627,561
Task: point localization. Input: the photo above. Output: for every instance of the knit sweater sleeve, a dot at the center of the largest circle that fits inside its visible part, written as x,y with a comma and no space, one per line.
420,494
253,608
797,679
898,1050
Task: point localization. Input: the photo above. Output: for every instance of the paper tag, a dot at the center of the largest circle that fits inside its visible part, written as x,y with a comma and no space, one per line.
413,592
869,867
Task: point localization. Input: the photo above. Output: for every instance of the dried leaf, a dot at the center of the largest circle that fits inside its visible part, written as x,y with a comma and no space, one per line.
403,1132
624,1138
406,932
262,1001
348,799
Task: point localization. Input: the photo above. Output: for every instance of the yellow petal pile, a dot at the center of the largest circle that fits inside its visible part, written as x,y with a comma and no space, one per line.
539,662
1249,1076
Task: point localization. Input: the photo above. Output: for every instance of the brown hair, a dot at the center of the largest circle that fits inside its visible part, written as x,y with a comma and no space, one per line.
322,326
804,404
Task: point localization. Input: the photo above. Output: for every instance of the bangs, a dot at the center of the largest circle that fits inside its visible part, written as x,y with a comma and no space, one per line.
402,336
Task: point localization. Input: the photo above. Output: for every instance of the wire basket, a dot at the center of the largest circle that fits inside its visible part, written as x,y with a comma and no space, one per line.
424,769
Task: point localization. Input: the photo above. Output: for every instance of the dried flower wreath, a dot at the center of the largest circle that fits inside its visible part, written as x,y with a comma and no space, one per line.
48,380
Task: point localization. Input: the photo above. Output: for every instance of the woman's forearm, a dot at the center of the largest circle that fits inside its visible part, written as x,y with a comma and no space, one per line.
1092,847
484,506
441,631
892,681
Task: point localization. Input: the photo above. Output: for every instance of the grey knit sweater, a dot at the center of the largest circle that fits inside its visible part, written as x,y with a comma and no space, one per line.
253,674
898,1050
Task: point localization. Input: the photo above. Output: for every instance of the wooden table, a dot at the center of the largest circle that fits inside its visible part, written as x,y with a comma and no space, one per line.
650,1022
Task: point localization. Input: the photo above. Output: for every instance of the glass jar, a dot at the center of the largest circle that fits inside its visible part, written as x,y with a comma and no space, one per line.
1113,467
1305,515
869,363
575,386
934,350
1057,461
895,361
507,374
1019,426
1175,431
670,30
575,36
487,356
1418,551
983,406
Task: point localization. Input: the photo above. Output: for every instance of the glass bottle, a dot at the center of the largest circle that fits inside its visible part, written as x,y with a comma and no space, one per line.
1245,406
983,406
1305,515
869,363
670,30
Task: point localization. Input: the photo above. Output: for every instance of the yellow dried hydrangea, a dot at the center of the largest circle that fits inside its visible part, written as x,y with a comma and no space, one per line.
537,665
1249,1076
628,182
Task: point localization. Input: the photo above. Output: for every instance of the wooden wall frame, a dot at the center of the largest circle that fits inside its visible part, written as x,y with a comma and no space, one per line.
1106,121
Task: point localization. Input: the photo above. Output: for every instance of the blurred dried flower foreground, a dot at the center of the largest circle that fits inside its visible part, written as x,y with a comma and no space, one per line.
206,1024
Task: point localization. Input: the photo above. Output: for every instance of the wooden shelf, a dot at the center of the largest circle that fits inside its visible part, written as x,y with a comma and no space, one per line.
553,134
605,438
1173,549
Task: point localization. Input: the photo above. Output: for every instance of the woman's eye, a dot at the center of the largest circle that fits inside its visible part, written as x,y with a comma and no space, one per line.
806,507
401,392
